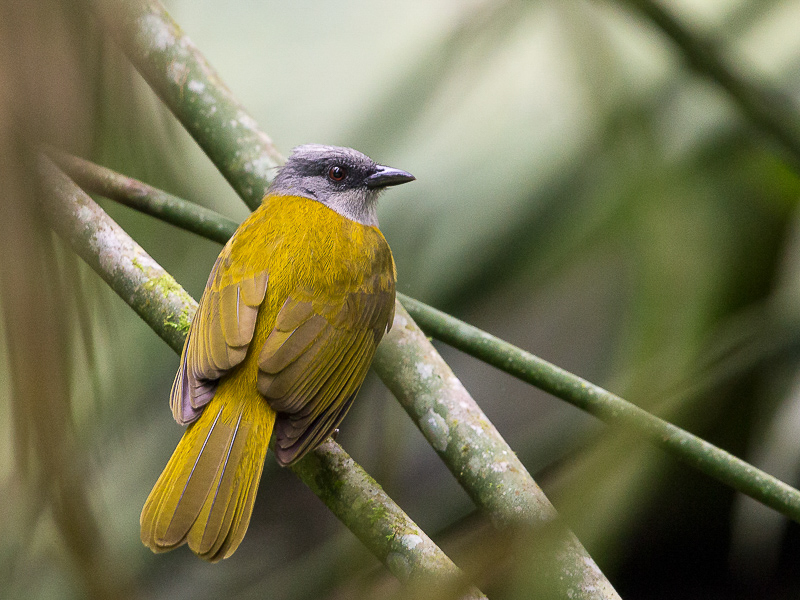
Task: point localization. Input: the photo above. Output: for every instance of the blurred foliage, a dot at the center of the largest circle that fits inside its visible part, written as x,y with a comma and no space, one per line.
580,193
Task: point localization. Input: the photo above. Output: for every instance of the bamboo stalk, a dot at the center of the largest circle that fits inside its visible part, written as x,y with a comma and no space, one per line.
145,198
612,409
185,81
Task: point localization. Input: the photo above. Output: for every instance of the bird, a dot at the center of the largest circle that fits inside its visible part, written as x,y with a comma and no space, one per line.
283,337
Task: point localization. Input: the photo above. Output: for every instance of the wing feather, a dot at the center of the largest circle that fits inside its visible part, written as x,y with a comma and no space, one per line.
316,357
284,347
335,384
203,540
190,488
219,335
289,450
303,429
254,288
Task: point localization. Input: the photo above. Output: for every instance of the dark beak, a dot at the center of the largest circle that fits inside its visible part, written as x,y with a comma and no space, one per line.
386,176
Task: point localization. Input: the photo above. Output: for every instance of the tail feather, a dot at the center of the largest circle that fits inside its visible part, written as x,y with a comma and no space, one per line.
192,484
241,517
205,494
216,514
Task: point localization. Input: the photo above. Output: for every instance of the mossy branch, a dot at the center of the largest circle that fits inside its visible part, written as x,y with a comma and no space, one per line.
189,86
124,265
351,494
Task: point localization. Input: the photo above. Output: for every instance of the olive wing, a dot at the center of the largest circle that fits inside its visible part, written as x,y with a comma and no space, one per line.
315,359
218,337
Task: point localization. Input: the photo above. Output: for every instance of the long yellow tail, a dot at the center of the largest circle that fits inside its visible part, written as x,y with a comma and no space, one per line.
205,494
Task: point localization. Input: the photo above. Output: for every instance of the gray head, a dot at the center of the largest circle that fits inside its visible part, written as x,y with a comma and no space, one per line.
342,178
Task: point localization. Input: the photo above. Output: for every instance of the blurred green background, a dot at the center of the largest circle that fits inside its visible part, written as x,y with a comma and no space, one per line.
581,193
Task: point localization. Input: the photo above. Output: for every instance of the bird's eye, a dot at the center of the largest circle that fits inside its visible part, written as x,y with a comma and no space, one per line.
337,173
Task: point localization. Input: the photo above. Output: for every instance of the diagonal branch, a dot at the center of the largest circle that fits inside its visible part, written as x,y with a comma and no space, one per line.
189,86
351,494
612,409
145,198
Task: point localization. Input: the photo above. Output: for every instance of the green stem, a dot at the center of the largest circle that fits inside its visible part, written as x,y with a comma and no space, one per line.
351,494
612,409
145,198
773,112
